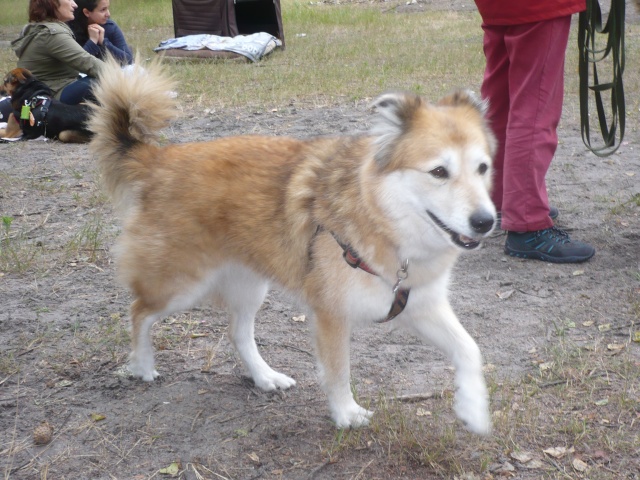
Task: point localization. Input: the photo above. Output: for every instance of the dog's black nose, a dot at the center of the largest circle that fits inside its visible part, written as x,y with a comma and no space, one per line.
482,221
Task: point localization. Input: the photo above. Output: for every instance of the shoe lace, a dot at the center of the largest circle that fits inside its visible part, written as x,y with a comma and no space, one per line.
553,234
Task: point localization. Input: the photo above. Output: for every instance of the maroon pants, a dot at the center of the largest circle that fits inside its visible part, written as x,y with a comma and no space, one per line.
524,83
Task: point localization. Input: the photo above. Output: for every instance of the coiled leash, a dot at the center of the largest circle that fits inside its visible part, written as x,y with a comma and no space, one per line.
590,31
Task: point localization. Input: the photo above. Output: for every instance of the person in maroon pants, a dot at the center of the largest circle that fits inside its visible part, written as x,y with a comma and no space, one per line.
524,45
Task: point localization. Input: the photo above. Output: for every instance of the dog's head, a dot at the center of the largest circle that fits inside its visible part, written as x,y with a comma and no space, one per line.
15,78
435,162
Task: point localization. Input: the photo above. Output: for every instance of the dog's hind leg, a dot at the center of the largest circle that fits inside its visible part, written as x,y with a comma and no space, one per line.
442,329
152,302
243,293
74,136
13,129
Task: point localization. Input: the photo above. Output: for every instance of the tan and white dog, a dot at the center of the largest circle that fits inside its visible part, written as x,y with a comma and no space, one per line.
227,218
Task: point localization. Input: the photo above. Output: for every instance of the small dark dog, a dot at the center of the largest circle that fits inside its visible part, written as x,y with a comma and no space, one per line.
36,112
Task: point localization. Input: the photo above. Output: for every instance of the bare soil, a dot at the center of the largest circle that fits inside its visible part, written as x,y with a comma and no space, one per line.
64,340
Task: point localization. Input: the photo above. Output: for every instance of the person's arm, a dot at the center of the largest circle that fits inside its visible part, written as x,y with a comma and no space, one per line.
115,42
92,48
65,49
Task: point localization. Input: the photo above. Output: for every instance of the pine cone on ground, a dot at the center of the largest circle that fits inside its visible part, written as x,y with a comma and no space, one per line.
42,433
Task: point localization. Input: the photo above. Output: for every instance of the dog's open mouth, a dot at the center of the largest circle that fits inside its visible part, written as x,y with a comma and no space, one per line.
460,240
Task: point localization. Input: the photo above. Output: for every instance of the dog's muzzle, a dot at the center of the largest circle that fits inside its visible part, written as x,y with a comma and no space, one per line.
481,223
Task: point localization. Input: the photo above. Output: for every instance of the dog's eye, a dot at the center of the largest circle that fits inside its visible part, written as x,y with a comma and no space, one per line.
439,172
482,169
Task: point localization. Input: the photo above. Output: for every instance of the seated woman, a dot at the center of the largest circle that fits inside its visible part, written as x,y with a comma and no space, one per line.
97,33
48,49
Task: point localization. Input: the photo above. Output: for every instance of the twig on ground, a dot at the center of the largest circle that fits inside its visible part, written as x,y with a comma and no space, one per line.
363,469
317,470
285,345
551,384
416,397
195,418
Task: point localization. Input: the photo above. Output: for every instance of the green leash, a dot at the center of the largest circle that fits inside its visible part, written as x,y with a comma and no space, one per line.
590,26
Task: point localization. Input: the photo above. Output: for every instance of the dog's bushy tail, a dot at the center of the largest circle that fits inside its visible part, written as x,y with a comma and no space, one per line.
133,104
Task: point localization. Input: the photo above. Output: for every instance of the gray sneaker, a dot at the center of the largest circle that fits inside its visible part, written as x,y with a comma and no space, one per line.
549,245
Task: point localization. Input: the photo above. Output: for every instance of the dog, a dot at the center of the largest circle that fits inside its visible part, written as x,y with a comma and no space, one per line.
361,228
37,113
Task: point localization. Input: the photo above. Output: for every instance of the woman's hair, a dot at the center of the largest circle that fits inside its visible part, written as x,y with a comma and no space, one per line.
80,22
42,10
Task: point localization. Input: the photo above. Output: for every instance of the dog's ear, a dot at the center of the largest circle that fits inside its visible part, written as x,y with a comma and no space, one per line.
14,78
465,97
21,75
394,113
17,76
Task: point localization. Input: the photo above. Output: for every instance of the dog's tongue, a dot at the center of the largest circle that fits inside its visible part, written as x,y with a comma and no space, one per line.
467,243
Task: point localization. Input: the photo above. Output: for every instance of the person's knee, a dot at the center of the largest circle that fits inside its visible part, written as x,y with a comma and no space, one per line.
5,109
77,92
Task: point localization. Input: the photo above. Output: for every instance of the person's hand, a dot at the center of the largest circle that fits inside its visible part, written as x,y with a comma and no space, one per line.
96,33
101,39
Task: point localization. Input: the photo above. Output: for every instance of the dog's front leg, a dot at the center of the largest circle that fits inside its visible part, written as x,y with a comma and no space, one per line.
332,346
442,329
141,362
13,129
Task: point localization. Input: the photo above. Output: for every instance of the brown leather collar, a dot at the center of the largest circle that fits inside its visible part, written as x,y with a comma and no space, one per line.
401,295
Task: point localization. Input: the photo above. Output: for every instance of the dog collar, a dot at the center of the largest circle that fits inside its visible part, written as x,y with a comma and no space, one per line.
401,295
352,258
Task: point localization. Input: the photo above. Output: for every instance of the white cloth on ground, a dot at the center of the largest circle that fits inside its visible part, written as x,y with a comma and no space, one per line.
253,46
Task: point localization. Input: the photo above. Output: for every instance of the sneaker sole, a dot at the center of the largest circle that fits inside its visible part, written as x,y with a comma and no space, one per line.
535,255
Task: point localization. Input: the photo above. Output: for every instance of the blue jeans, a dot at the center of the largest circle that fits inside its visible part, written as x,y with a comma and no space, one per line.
78,91
5,109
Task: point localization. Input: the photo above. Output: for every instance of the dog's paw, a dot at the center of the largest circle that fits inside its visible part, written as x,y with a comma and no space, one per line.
142,367
355,416
272,380
147,376
473,411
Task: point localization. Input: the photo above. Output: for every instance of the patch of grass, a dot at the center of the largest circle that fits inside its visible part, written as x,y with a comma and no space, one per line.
329,55
334,53
14,12
585,400
625,206
210,354
353,67
87,244
17,253
178,330
421,433
97,342
8,364
6,223
108,334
